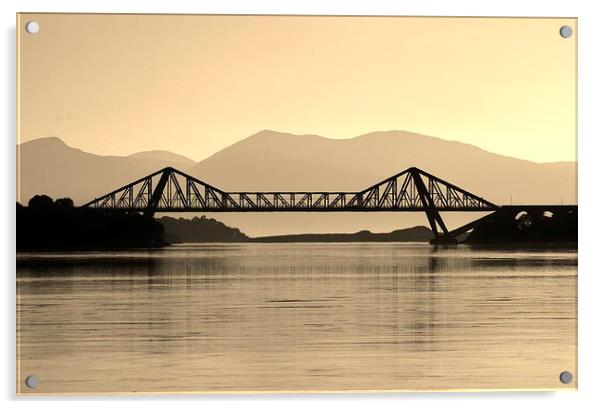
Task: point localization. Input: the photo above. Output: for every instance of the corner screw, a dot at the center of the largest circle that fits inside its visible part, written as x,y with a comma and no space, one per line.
32,27
566,377
566,31
31,381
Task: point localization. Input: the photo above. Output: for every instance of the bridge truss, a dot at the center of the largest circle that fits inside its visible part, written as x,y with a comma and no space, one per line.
412,190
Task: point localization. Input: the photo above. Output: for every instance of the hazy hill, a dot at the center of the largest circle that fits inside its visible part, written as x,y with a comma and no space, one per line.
412,234
49,166
199,230
271,160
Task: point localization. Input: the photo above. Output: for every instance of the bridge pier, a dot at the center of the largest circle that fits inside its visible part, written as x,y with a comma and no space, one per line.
443,239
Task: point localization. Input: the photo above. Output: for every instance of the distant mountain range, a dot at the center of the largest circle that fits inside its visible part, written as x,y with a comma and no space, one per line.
48,166
270,160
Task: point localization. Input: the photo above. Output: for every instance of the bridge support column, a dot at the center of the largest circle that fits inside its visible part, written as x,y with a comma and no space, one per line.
153,203
432,214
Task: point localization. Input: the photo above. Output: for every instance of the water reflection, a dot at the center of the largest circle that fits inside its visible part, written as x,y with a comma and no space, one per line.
297,317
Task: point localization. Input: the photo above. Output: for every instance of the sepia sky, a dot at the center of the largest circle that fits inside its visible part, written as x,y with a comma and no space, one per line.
196,84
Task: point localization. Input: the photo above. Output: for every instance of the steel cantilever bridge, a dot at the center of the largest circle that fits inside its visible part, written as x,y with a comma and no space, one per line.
413,190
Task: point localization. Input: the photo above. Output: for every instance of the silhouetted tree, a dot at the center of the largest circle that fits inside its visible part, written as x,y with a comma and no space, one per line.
41,202
64,202
54,225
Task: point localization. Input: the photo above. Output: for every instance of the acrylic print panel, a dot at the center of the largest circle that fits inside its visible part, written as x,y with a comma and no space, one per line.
218,204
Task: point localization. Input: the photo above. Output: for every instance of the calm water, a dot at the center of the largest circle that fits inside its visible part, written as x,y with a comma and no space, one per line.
296,317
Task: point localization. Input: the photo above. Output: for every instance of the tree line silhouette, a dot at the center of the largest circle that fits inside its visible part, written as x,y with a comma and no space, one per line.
200,230
47,224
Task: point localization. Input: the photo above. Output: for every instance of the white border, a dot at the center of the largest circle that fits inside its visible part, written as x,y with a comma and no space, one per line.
590,132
